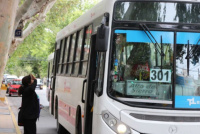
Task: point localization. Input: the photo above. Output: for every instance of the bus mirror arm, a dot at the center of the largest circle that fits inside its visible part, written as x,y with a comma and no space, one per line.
105,19
83,90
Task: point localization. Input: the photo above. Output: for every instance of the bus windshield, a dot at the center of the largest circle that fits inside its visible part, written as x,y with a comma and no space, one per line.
138,70
141,73
187,89
178,12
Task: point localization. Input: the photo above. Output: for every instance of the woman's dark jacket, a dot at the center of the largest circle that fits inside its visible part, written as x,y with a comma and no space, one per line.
30,105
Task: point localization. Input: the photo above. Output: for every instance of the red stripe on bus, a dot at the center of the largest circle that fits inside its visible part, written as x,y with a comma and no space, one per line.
66,116
63,110
61,104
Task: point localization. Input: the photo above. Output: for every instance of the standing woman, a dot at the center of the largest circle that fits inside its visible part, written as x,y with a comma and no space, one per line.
30,105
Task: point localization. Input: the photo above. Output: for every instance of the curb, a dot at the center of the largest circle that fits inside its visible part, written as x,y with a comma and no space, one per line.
13,119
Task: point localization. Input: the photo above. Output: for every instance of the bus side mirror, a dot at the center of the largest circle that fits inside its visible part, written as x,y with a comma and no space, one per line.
102,36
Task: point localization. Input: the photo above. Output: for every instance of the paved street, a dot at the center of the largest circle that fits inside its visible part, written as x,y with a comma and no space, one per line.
46,123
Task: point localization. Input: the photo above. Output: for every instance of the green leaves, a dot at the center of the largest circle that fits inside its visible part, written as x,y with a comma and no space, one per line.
31,55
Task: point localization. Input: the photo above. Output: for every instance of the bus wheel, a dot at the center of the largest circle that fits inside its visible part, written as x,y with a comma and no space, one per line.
78,127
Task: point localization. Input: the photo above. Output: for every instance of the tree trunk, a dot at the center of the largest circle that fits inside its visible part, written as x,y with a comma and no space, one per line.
8,9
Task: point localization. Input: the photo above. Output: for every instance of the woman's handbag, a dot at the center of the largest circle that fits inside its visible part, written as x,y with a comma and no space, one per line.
20,118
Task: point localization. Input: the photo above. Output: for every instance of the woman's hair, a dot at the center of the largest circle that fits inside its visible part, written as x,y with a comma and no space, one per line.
26,80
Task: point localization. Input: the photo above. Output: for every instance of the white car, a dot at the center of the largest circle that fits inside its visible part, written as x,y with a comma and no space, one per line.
21,77
9,78
39,83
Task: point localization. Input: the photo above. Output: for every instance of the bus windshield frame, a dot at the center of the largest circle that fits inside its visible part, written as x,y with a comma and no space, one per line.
140,75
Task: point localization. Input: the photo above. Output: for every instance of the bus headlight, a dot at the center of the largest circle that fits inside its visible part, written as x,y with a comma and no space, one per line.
115,124
121,128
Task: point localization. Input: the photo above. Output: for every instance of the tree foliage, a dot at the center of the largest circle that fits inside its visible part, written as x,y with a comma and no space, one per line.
31,55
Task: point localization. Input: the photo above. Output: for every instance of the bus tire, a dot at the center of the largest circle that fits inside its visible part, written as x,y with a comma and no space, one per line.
78,125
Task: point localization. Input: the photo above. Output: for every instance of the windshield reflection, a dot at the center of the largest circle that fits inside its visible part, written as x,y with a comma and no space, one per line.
158,12
187,89
137,70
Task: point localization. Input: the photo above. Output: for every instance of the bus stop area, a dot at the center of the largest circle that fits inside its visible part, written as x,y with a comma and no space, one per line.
8,123
9,108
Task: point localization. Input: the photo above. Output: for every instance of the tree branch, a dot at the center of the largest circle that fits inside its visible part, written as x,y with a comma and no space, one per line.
21,11
37,21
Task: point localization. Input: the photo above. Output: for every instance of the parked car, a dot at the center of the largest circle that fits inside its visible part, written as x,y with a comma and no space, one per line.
4,78
14,87
8,80
39,83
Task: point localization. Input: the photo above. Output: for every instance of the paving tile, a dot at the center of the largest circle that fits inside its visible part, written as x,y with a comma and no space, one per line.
6,121
7,130
4,111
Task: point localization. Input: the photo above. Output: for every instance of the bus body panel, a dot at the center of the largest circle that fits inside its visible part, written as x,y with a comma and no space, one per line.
66,124
123,112
102,127
68,92
151,126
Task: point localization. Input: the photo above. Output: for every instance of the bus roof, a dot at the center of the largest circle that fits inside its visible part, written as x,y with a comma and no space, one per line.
86,19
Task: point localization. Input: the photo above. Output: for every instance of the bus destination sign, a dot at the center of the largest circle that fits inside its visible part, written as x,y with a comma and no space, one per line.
140,88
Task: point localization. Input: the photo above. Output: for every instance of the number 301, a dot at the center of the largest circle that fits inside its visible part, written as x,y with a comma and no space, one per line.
158,75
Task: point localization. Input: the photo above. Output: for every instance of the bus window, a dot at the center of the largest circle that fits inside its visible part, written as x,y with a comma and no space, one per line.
61,56
54,64
86,50
71,54
66,52
58,56
78,53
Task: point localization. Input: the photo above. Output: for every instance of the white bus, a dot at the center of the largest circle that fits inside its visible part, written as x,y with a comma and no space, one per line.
129,67
49,75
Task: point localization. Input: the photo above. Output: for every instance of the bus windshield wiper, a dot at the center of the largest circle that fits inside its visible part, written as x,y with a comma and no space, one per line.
145,29
195,49
188,58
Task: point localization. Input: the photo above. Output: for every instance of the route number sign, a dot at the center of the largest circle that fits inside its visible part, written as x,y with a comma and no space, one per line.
160,75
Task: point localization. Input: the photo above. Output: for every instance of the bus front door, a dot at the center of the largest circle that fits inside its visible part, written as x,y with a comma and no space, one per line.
94,83
89,93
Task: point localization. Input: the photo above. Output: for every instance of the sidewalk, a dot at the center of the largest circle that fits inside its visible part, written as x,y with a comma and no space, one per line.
8,123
